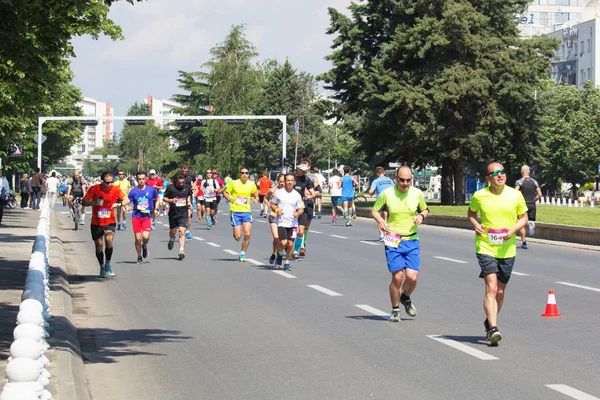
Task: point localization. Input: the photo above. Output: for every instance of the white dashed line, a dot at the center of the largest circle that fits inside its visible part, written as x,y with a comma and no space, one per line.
579,286
339,237
519,273
253,261
235,253
313,231
373,311
213,244
371,243
198,238
451,259
463,347
572,392
285,274
324,290
260,220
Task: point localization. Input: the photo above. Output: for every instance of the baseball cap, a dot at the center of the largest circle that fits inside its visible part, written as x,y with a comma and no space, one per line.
214,171
302,167
152,172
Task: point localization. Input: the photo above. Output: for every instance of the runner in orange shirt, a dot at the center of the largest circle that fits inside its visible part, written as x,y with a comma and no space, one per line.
104,198
264,184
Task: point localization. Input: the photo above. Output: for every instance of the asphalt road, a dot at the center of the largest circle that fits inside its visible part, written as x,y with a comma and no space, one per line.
209,327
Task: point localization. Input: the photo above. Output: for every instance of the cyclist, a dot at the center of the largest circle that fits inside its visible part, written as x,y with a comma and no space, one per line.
76,190
123,184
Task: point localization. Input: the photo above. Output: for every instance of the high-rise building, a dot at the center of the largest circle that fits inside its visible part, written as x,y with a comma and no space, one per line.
540,17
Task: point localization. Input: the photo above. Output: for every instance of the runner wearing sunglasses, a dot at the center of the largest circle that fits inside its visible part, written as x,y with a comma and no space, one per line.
239,194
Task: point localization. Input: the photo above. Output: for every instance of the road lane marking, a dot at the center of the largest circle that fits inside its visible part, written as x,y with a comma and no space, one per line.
451,259
324,290
253,261
519,273
235,253
260,220
285,274
198,238
373,311
371,243
579,286
463,347
313,231
339,237
213,244
572,392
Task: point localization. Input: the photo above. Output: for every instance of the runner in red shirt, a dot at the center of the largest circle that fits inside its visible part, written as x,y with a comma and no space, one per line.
264,184
104,198
157,183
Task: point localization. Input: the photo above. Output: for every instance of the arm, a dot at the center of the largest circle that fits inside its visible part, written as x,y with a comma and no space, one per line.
479,228
372,189
523,220
538,194
383,225
124,200
255,195
227,194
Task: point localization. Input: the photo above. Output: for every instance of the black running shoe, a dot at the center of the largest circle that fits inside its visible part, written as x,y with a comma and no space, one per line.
272,258
494,336
486,325
145,251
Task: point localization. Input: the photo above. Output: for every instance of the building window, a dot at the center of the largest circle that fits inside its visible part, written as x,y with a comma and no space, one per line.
582,47
563,51
562,2
575,52
561,18
589,75
544,18
582,76
589,45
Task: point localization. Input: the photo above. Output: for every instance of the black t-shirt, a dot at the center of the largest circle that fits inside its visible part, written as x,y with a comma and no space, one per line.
303,183
528,186
179,208
77,185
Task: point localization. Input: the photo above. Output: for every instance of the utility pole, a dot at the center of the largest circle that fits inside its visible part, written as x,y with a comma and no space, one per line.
140,159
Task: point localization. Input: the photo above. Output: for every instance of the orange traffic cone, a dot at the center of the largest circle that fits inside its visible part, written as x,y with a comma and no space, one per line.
551,308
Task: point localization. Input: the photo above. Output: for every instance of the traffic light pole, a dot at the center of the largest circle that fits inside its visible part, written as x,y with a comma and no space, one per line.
281,118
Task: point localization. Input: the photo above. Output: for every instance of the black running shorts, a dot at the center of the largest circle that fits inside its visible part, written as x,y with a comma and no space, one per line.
501,266
99,231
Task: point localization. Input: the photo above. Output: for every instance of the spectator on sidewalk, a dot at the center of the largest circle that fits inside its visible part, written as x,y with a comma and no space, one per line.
37,182
4,188
52,184
25,190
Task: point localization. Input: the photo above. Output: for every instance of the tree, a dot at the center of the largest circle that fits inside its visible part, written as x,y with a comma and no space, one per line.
96,167
445,82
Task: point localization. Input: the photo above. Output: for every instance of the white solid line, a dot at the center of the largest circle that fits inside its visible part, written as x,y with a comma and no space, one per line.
371,243
235,253
313,231
324,290
285,274
198,238
213,244
373,311
519,273
339,237
253,261
572,392
579,286
462,347
451,259
260,220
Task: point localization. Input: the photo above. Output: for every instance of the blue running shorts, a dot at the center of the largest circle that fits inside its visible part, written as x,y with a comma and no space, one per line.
406,255
238,218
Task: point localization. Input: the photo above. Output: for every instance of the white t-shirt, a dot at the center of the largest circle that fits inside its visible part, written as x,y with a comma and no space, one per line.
288,202
321,179
210,187
52,183
334,189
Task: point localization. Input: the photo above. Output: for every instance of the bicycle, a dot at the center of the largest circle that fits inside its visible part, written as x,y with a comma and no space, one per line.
76,211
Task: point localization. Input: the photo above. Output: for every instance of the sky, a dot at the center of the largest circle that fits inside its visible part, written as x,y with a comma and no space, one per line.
165,36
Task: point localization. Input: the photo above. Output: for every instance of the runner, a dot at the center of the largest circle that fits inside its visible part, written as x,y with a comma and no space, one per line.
200,203
377,186
276,257
215,175
348,185
305,188
76,189
264,184
143,199
500,206
407,209
309,204
238,194
154,182
189,180
123,184
163,206
210,187
335,191
531,192
322,183
104,198
179,197
288,205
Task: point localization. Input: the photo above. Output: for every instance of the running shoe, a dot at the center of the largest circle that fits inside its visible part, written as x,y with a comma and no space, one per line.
278,260
199,220
395,315
266,215
109,271
272,258
353,215
181,255
188,235
214,219
171,243
242,258
102,272
319,215
494,336
348,223
119,227
124,226
523,246
303,251
531,228
140,260
333,221
409,307
153,225
287,266
296,257
145,251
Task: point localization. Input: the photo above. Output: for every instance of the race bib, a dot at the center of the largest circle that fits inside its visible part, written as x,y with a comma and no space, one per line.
104,213
495,235
180,202
241,200
392,239
143,206
294,233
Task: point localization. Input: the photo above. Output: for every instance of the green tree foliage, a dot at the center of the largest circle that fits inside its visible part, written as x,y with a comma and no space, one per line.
96,167
444,82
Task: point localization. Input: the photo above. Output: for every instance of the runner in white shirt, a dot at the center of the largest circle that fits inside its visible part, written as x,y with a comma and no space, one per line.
288,205
52,184
335,191
210,187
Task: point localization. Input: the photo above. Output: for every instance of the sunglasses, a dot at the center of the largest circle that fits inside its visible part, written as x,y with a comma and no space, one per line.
244,172
107,183
404,180
497,172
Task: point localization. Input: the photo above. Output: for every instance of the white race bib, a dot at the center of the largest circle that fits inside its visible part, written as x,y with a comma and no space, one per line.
294,233
392,239
241,200
180,202
495,235
104,213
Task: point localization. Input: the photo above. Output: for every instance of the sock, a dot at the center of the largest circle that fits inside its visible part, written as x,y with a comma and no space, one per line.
297,245
100,257
304,237
242,253
405,298
181,249
108,252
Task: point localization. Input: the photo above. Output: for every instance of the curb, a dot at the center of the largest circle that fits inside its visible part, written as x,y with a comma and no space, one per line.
68,381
